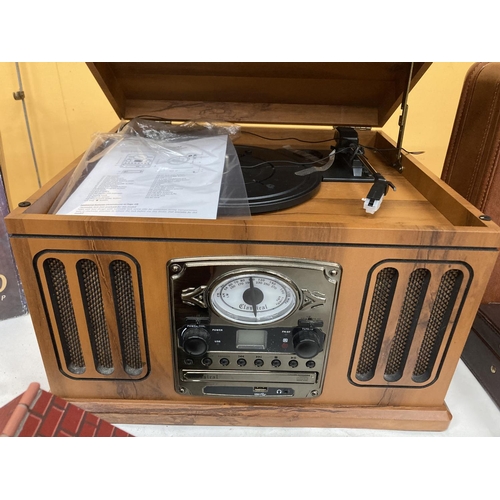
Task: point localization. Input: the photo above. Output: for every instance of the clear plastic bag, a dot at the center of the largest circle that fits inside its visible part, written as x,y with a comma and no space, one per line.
160,164
160,130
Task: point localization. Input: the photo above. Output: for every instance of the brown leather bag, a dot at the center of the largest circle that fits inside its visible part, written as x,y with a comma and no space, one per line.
472,169
472,164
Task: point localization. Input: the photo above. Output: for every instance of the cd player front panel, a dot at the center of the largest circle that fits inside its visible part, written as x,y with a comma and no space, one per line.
241,321
252,326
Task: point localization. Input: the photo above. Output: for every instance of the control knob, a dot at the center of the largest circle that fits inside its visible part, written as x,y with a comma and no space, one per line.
308,339
194,340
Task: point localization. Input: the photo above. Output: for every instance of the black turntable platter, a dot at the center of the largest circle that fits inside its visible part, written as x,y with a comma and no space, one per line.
270,178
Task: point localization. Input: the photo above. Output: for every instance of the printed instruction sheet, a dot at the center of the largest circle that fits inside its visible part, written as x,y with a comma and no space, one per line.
140,177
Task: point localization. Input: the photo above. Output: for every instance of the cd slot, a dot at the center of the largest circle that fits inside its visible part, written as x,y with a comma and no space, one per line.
237,376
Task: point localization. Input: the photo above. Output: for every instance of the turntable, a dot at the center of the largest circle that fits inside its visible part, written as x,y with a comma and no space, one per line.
276,179
339,303
270,178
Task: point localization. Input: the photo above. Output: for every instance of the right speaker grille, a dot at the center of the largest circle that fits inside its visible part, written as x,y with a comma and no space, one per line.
407,319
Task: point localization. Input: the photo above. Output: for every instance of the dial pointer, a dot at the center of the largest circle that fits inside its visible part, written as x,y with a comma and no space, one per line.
252,295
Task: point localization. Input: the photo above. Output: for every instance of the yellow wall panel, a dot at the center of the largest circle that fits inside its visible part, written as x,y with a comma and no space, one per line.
46,111
18,170
66,108
87,110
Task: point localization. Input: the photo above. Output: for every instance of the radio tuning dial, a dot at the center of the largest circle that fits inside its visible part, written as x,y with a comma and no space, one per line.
253,297
308,339
195,340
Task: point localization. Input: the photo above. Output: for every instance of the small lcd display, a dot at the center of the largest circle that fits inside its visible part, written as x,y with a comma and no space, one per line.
253,340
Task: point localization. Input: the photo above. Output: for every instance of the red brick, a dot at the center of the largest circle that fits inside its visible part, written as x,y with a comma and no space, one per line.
31,426
51,421
92,419
42,403
72,419
105,429
61,433
60,403
87,430
120,433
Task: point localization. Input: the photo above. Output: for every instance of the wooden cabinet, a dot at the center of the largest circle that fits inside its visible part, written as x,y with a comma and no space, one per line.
413,273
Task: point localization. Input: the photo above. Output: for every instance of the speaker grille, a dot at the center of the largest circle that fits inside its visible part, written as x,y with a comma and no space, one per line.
377,321
57,282
407,323
438,322
407,319
96,320
94,300
121,278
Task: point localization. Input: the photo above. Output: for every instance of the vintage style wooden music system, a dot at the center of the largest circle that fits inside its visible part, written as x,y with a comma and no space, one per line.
319,310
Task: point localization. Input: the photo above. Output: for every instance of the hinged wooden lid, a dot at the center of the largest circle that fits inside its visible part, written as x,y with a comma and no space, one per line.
356,94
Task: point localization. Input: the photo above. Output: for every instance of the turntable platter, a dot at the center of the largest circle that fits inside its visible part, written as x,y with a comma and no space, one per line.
270,178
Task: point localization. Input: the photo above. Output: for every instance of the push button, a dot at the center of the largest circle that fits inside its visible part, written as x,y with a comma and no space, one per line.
293,363
241,362
224,361
259,362
276,363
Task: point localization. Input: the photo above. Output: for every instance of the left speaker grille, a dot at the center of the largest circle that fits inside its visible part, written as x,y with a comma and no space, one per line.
57,281
95,301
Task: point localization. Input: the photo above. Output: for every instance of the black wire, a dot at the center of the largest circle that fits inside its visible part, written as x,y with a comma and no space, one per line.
152,117
161,119
285,138
327,140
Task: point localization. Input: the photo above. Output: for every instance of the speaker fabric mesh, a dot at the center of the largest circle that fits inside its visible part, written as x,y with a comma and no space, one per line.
408,315
57,281
438,322
94,302
407,323
121,277
96,321
377,321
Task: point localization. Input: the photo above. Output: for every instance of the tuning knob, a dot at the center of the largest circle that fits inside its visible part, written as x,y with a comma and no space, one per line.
308,339
194,340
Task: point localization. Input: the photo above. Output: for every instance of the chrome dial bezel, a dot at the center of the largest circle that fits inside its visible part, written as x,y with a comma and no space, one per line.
245,317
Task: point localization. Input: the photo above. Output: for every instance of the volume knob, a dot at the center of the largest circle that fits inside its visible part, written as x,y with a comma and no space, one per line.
194,340
308,340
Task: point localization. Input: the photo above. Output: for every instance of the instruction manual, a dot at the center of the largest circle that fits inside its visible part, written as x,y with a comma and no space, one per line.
140,177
